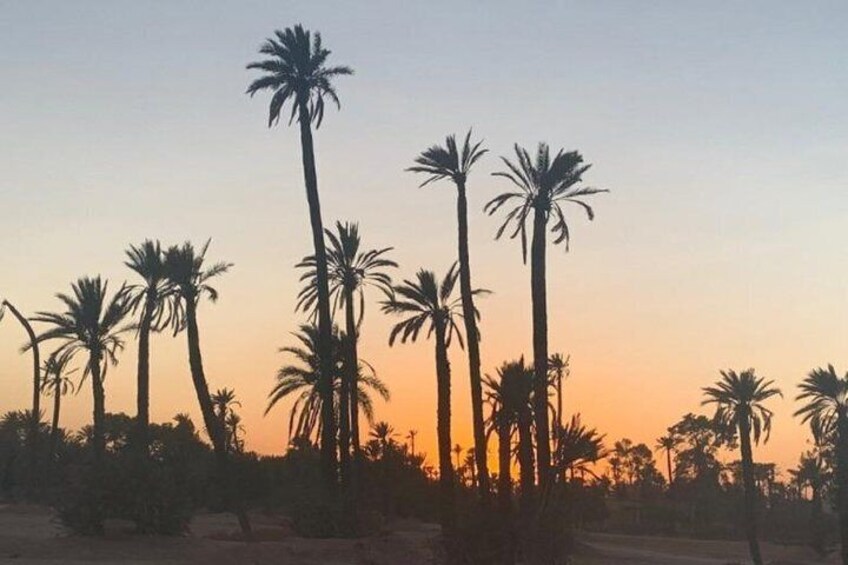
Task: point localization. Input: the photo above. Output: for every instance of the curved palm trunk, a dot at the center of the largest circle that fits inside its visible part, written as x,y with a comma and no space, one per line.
328,420
36,372
143,393
842,484
443,431
540,344
210,420
505,490
473,339
750,491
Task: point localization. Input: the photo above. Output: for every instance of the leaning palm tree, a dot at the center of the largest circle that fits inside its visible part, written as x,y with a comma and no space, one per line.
91,324
36,365
826,409
296,71
351,270
57,382
151,302
669,443
424,302
739,399
186,271
545,186
449,162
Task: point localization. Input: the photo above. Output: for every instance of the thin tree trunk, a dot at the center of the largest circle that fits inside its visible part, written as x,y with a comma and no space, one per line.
443,431
325,322
668,462
354,381
505,491
842,485
540,345
36,376
210,420
143,393
99,394
750,495
54,427
346,398
527,472
473,339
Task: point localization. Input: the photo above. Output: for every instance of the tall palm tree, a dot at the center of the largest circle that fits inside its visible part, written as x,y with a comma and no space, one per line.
545,186
826,409
36,365
669,443
449,162
150,301
351,270
91,324
559,371
57,382
301,380
739,399
425,302
185,269
296,71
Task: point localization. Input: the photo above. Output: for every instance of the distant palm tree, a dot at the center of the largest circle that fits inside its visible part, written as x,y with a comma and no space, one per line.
57,382
186,270
223,401
384,435
739,399
559,370
457,451
233,425
579,447
449,162
150,300
91,324
669,443
826,409
412,434
296,71
350,270
546,185
36,364
427,303
301,380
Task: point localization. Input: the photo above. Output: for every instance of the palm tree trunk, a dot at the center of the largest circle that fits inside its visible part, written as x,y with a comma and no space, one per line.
36,375
346,398
842,484
210,420
328,421
505,490
473,339
527,473
750,491
54,427
143,393
354,382
668,462
443,431
99,394
540,344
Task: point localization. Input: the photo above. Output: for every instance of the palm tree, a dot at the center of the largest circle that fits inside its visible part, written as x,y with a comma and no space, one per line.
190,277
350,271
545,186
301,380
457,451
449,162
150,301
90,324
36,366
427,303
296,71
579,447
669,443
739,399
232,424
412,434
57,382
223,402
826,409
559,371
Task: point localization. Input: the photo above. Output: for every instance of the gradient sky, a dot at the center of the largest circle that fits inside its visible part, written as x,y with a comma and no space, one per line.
721,130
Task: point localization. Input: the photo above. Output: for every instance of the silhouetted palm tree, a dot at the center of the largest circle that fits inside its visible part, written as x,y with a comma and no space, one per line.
559,370
739,402
233,426
545,186
411,435
579,447
90,324
826,409
36,365
150,301
301,380
296,71
190,277
450,162
427,303
350,270
223,401
668,443
57,382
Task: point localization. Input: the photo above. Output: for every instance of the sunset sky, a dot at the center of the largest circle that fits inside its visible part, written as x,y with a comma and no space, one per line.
721,131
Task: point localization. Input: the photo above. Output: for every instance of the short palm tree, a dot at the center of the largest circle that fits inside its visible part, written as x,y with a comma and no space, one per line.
669,443
190,277
545,186
739,399
351,270
91,324
150,301
452,163
224,401
295,70
558,367
234,427
426,303
57,382
579,447
825,395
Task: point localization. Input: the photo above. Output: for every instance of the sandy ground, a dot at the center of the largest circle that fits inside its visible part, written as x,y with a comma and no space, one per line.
30,535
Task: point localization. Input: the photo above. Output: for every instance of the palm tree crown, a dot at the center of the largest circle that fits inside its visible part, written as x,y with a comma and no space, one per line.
441,162
185,270
545,185
739,398
826,394
295,70
56,376
148,262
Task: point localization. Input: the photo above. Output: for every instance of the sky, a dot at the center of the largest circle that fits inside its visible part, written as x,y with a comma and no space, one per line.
721,131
